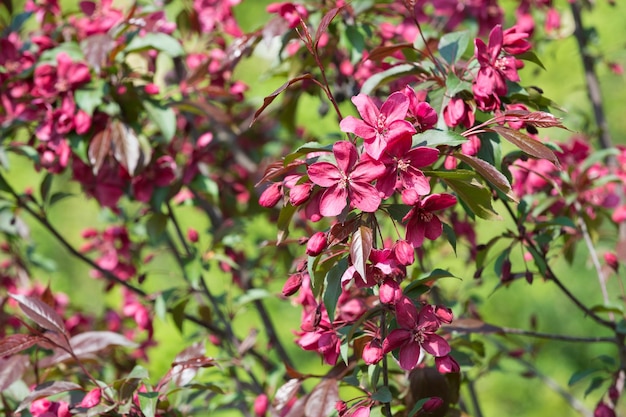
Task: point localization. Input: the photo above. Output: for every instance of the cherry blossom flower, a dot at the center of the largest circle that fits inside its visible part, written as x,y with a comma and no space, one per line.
416,334
348,179
67,76
379,127
421,222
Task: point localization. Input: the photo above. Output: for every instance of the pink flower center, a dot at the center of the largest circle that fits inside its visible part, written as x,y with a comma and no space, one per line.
418,336
402,165
62,85
425,216
381,126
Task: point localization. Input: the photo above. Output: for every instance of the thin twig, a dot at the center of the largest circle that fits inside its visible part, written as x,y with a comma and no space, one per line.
474,397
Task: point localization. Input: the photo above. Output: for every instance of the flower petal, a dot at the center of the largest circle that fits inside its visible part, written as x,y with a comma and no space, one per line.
406,313
435,345
324,174
364,196
409,356
333,201
395,107
395,339
368,170
436,202
357,126
433,228
367,109
346,155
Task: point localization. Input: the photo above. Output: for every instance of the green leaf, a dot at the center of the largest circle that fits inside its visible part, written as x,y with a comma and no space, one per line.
594,385
89,97
531,57
155,226
18,21
148,402
435,137
305,149
44,187
527,144
450,236
25,150
284,219
155,40
383,395
577,376
452,46
252,295
475,196
434,275
332,287
162,116
454,85
388,75
72,49
417,407
56,197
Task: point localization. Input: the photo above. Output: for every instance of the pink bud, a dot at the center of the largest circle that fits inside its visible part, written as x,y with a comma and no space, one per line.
603,410
271,195
192,235
91,399
151,89
432,404
293,284
316,244
341,407
444,314
82,122
300,193
261,404
204,139
390,291
447,364
372,352
404,252
611,260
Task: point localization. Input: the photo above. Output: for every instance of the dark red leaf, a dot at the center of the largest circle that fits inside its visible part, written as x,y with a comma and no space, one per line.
490,173
41,313
383,52
360,249
96,49
285,393
186,364
322,400
278,168
11,370
339,232
86,344
15,343
535,118
45,390
119,140
527,144
268,100
328,17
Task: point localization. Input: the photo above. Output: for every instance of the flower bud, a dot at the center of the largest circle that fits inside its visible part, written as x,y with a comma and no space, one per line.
404,252
444,314
611,260
300,193
151,89
91,399
432,404
293,284
390,291
271,195
372,352
316,244
447,364
192,235
261,404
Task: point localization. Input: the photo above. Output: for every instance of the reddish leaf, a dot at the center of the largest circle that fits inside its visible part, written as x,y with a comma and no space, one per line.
382,52
278,168
535,118
11,370
527,144
339,232
86,344
322,400
490,173
45,390
360,249
328,17
186,364
297,409
96,49
15,343
268,100
119,140
285,393
41,313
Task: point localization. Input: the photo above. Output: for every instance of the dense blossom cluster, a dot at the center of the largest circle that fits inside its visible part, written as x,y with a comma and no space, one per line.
147,116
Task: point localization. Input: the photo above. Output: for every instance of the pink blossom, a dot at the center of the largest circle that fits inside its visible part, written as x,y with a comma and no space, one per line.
415,334
348,179
316,244
67,76
372,352
458,112
379,127
403,167
293,13
421,222
261,404
91,399
447,364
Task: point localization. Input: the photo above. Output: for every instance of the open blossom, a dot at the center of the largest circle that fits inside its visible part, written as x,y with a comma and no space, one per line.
403,167
348,179
415,334
293,13
67,76
494,70
379,126
421,221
